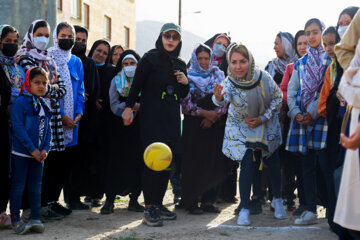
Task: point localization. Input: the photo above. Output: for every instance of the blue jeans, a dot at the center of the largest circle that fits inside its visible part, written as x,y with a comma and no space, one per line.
25,171
247,171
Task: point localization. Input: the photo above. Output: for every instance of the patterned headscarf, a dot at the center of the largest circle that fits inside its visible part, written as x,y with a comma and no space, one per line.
279,64
313,73
25,90
204,80
10,67
62,58
28,49
253,74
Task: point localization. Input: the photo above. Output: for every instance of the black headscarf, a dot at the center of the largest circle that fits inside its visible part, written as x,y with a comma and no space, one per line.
351,11
95,45
118,67
112,52
160,46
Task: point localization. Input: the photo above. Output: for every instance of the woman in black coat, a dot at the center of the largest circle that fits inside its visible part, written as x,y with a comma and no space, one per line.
161,78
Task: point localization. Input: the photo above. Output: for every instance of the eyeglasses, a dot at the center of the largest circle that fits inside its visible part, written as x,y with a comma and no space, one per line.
168,36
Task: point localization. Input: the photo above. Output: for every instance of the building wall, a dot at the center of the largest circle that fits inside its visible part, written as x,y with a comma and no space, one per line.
121,12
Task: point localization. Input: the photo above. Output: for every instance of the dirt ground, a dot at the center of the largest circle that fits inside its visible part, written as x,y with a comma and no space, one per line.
125,225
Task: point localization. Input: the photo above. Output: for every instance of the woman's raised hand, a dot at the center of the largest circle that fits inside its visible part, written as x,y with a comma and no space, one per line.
218,92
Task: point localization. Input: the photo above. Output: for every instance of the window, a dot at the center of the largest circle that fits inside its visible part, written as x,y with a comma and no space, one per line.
127,37
75,9
107,27
59,5
86,16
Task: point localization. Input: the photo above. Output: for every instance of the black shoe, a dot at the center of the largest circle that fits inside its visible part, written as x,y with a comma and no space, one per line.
166,214
78,206
58,208
49,215
290,205
152,216
107,208
299,210
255,207
134,206
96,203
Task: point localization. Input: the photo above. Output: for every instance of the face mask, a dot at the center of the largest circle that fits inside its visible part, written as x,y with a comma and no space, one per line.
79,49
41,42
66,44
342,30
130,71
100,64
9,49
219,50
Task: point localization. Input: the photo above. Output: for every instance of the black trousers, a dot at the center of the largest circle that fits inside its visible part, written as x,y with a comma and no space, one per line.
53,177
154,186
228,188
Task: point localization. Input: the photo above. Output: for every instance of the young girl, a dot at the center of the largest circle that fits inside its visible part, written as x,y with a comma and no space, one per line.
308,130
30,118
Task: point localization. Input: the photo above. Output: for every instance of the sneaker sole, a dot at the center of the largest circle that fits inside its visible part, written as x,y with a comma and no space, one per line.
155,224
26,230
38,228
243,224
168,218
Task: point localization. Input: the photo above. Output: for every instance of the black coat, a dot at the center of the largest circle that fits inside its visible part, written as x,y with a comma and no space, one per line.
5,93
159,108
92,88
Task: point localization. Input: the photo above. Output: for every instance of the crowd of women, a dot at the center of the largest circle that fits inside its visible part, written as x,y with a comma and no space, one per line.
79,124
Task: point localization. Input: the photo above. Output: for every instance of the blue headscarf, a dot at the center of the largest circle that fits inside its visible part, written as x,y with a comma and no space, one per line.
200,79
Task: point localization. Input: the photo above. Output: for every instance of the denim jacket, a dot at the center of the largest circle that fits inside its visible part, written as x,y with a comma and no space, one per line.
25,124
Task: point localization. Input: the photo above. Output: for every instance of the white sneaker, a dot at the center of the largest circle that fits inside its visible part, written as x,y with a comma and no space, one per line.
306,218
277,204
243,219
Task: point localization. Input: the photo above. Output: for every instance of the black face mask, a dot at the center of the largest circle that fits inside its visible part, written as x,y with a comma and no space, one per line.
9,49
79,49
66,44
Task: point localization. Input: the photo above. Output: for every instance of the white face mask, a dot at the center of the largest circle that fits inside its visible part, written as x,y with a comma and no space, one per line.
130,71
41,42
342,30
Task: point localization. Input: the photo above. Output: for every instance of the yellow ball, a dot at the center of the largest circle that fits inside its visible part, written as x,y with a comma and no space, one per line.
158,156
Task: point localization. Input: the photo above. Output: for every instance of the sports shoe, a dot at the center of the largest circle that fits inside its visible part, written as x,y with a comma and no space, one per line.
277,204
107,208
47,214
21,227
58,208
299,210
244,219
255,207
25,216
152,216
78,206
134,206
166,214
306,218
96,203
36,226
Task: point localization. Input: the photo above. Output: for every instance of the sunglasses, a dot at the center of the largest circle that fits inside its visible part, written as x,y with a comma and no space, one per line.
168,36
